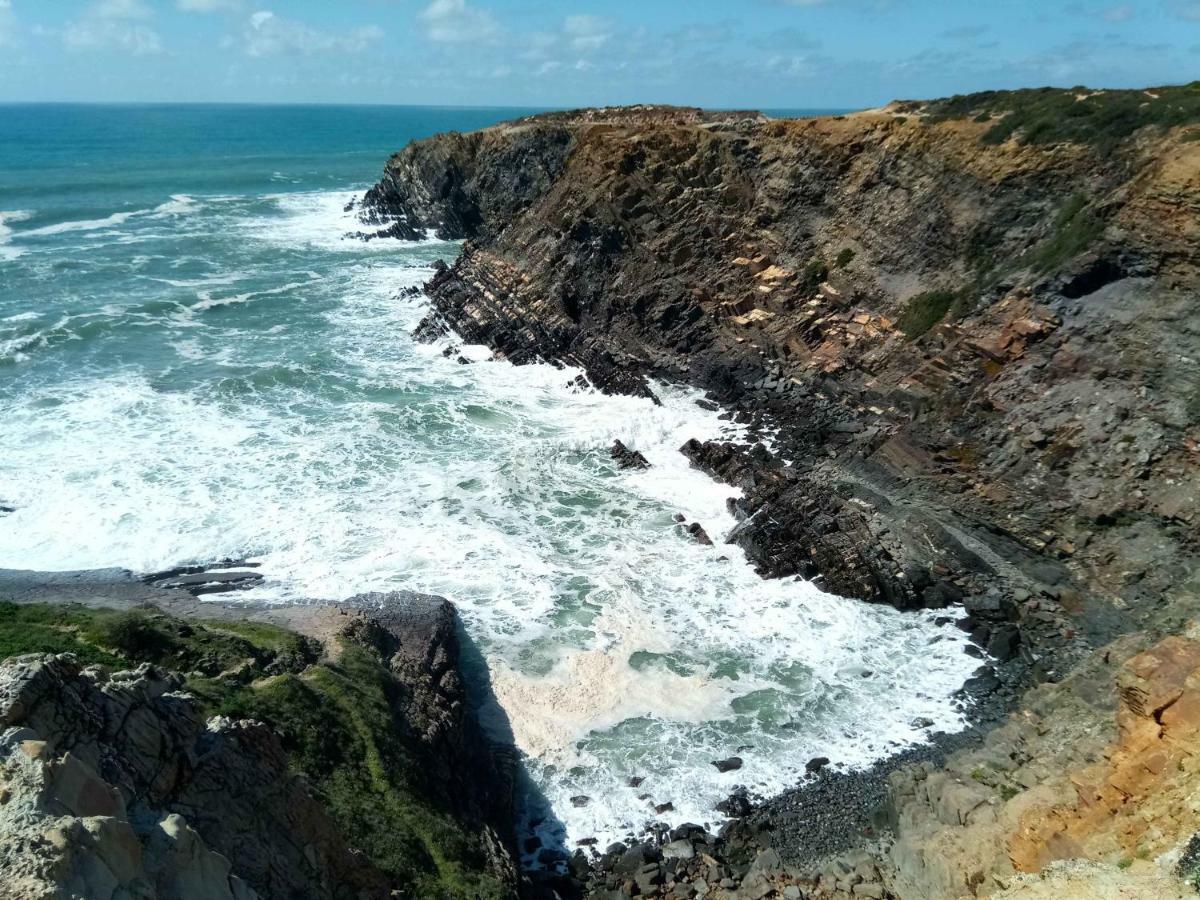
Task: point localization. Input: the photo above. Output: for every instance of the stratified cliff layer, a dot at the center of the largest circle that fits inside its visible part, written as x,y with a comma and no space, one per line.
980,356
968,334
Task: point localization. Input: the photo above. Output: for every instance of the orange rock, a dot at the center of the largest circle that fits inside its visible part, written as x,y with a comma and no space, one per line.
1137,798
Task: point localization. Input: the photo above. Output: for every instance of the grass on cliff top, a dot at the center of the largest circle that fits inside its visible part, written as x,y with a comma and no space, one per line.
339,722
339,725
1080,115
47,629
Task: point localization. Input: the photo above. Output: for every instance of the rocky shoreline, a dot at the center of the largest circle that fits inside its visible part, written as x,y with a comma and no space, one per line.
967,365
963,361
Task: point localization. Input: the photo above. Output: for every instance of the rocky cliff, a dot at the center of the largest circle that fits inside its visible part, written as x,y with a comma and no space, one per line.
980,356
966,332
148,755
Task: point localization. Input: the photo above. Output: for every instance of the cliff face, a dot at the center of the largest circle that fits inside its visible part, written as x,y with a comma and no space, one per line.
980,355
238,758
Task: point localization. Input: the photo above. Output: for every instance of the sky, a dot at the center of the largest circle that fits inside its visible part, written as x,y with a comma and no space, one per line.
768,54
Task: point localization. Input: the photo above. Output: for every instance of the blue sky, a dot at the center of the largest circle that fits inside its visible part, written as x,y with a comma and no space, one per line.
752,53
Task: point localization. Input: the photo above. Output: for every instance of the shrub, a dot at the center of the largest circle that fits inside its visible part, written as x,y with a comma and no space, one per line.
844,258
924,311
133,634
812,275
1054,115
1075,228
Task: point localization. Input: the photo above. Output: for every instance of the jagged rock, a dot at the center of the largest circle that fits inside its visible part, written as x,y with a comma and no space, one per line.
626,458
632,242
137,792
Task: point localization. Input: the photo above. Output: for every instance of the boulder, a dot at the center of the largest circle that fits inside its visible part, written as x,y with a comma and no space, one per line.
728,765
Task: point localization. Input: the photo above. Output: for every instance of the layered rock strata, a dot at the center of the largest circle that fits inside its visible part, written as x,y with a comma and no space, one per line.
964,336
974,361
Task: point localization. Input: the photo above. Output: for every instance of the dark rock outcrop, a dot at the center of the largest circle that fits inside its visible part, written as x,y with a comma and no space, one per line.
958,347
626,458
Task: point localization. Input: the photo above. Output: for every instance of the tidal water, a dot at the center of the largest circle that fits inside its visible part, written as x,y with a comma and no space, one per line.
196,362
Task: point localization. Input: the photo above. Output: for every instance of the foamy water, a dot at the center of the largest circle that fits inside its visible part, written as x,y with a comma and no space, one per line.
244,384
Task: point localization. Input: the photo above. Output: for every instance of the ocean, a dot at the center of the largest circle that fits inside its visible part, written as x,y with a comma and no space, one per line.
198,362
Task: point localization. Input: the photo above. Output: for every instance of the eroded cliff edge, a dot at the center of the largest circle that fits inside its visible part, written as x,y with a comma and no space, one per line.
191,750
969,329
980,357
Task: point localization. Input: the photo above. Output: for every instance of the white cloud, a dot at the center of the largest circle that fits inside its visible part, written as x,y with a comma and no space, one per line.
113,25
587,33
267,34
457,22
1186,9
792,66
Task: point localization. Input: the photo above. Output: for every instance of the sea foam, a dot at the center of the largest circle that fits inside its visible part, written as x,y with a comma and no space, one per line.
313,435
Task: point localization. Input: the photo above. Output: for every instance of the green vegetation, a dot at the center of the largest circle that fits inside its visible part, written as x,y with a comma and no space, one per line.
45,629
1124,863
812,275
339,726
1054,115
924,311
1075,229
1193,135
340,723
844,258
1007,792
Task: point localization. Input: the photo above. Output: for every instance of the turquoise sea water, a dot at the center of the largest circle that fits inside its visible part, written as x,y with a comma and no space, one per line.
197,362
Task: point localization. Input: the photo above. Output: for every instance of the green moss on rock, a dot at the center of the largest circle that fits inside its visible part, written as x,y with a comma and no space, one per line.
924,311
1075,229
340,723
